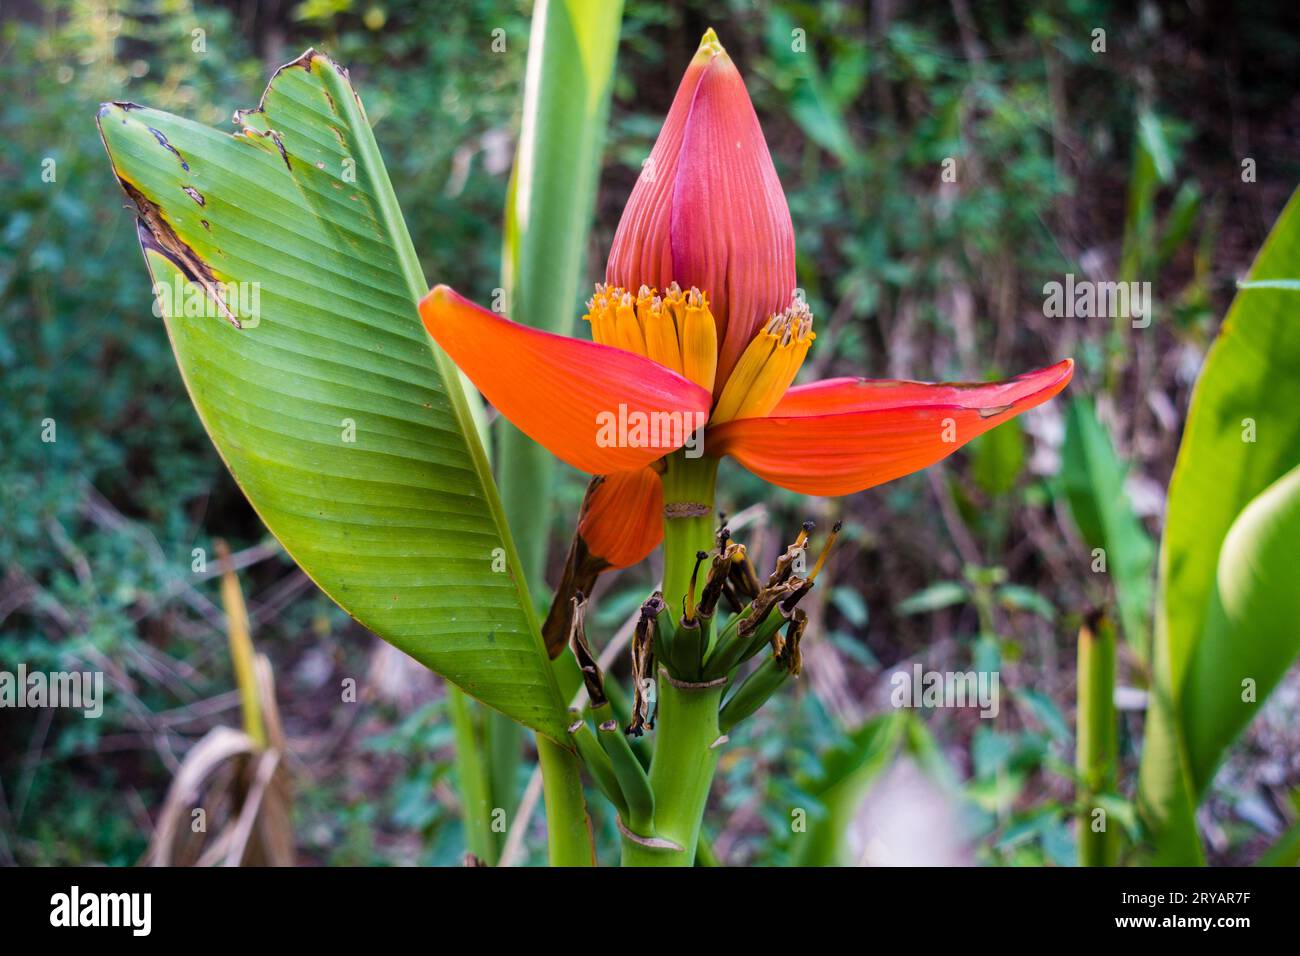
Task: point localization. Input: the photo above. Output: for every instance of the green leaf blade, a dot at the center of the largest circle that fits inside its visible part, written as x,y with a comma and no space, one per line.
343,425
1093,477
1241,436
1252,372
1251,634
572,51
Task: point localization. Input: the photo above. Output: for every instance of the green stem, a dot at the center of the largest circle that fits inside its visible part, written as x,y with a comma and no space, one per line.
1096,734
551,199
568,826
504,744
242,655
471,777
680,773
688,499
686,726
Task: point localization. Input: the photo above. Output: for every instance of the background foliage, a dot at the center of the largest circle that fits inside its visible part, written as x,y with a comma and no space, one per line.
1126,164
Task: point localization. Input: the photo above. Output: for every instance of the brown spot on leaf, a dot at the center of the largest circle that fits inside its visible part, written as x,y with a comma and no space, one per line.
279,144
255,134
156,233
163,142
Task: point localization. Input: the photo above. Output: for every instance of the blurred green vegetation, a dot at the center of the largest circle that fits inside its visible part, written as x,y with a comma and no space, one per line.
942,165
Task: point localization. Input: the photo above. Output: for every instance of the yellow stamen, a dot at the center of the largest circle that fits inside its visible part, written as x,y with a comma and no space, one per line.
676,329
598,315
767,366
699,340
660,331
630,336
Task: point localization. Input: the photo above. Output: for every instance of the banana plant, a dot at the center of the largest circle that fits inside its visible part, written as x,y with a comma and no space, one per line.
1226,623
698,335
287,282
329,382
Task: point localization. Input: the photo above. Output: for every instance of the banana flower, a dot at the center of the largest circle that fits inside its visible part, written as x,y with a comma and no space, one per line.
698,334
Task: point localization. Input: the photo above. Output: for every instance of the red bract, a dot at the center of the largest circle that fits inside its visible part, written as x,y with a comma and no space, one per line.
708,210
712,337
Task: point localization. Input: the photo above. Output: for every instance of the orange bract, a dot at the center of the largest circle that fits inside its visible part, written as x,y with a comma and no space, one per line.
837,438
708,213
558,390
623,517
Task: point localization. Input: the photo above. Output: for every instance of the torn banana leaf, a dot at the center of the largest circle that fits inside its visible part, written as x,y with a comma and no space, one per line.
288,285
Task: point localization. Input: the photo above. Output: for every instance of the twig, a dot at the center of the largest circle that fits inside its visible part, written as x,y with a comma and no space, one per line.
957,530
71,553
102,512
245,558
277,596
514,845
200,710
35,746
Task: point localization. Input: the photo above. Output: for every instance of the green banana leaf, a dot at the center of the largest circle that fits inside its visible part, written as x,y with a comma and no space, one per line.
552,194
1252,630
1285,851
570,74
1242,435
346,428
1092,476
